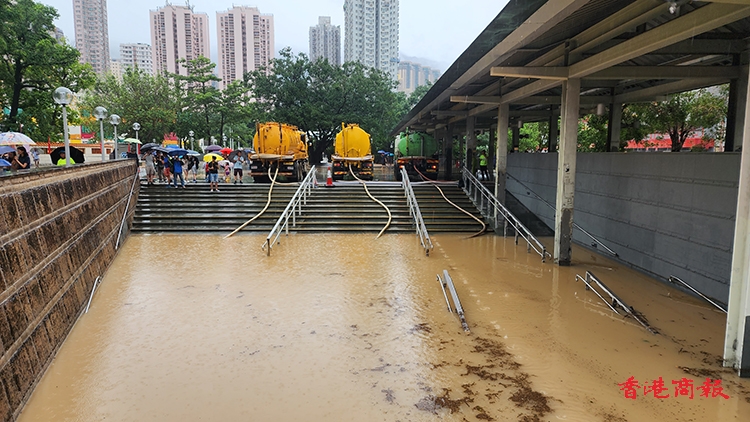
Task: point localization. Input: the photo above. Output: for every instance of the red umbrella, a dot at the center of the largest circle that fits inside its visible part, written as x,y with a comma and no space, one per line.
226,151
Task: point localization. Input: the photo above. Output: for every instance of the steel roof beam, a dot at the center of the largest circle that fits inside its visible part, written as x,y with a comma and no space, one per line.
701,20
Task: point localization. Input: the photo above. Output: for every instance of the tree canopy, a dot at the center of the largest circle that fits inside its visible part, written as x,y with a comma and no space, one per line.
152,101
317,97
32,65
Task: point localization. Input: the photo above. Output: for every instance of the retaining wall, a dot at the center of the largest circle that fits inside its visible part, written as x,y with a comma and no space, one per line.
58,230
663,213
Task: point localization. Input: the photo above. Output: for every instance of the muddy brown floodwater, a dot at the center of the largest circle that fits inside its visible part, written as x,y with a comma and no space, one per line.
347,327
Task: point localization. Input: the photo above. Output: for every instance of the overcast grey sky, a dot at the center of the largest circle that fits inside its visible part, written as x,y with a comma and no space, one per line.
438,30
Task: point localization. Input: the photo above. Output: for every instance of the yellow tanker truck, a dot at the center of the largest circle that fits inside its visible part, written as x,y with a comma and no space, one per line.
278,145
352,148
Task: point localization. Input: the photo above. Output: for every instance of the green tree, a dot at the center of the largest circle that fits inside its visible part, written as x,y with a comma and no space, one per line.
317,97
152,101
32,63
592,133
681,114
201,97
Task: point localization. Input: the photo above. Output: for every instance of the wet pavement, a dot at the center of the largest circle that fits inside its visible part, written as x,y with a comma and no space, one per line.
347,327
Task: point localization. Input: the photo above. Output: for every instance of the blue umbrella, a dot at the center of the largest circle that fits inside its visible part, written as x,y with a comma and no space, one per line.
191,152
4,163
4,149
177,152
382,152
172,146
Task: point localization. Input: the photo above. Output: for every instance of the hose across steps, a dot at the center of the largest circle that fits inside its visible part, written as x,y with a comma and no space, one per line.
484,226
268,203
390,217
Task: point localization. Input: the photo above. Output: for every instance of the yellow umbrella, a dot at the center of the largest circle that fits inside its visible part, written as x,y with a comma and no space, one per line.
208,157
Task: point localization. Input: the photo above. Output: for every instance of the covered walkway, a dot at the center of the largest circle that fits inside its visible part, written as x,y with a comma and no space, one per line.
544,60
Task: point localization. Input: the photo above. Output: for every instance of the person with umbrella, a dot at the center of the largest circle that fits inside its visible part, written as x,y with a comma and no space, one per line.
61,162
237,167
193,167
213,174
148,157
21,161
177,170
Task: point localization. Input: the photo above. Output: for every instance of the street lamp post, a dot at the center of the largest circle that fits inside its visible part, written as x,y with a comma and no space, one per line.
114,120
101,113
136,128
64,96
191,133
224,140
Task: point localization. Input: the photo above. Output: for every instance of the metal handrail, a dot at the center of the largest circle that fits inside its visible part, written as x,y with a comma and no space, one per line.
416,214
293,208
93,289
675,280
575,225
471,182
615,300
136,178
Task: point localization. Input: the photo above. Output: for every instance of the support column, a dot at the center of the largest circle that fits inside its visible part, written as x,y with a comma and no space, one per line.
566,171
516,136
501,151
737,336
491,161
440,138
553,131
448,145
614,127
736,111
471,144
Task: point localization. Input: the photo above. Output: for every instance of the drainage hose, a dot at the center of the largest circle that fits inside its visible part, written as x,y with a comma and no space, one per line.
268,203
478,220
390,217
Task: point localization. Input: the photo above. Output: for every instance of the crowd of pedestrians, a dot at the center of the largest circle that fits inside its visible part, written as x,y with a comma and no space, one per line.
18,159
177,171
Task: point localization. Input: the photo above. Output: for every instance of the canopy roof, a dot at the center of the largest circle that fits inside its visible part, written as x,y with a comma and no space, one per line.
624,51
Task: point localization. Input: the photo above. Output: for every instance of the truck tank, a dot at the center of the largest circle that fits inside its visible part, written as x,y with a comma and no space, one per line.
278,145
417,152
352,149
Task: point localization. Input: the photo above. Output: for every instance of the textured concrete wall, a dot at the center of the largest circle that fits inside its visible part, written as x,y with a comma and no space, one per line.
57,234
665,214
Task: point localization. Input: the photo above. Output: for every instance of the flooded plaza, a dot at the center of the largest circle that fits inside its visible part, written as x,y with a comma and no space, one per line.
349,327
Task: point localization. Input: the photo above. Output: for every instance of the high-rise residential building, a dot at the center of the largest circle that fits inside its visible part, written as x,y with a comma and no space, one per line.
371,33
246,42
177,32
92,34
136,56
411,75
115,68
325,41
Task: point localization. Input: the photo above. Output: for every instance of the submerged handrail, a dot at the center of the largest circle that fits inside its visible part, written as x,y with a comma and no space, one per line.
136,178
93,289
615,300
675,280
575,225
471,182
293,208
416,214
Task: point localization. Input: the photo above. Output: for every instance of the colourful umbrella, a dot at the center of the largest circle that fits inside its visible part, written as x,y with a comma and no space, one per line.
212,148
226,151
14,138
209,157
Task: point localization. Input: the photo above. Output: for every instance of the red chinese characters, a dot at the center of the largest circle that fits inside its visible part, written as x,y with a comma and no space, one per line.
684,387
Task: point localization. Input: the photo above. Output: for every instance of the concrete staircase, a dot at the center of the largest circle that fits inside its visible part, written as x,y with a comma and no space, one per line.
344,208
440,216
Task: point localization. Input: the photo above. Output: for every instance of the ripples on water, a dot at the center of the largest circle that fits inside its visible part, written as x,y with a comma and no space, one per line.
347,327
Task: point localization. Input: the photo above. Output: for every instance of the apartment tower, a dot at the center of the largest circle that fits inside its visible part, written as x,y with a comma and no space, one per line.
137,56
371,33
177,32
246,42
325,41
92,34
411,75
